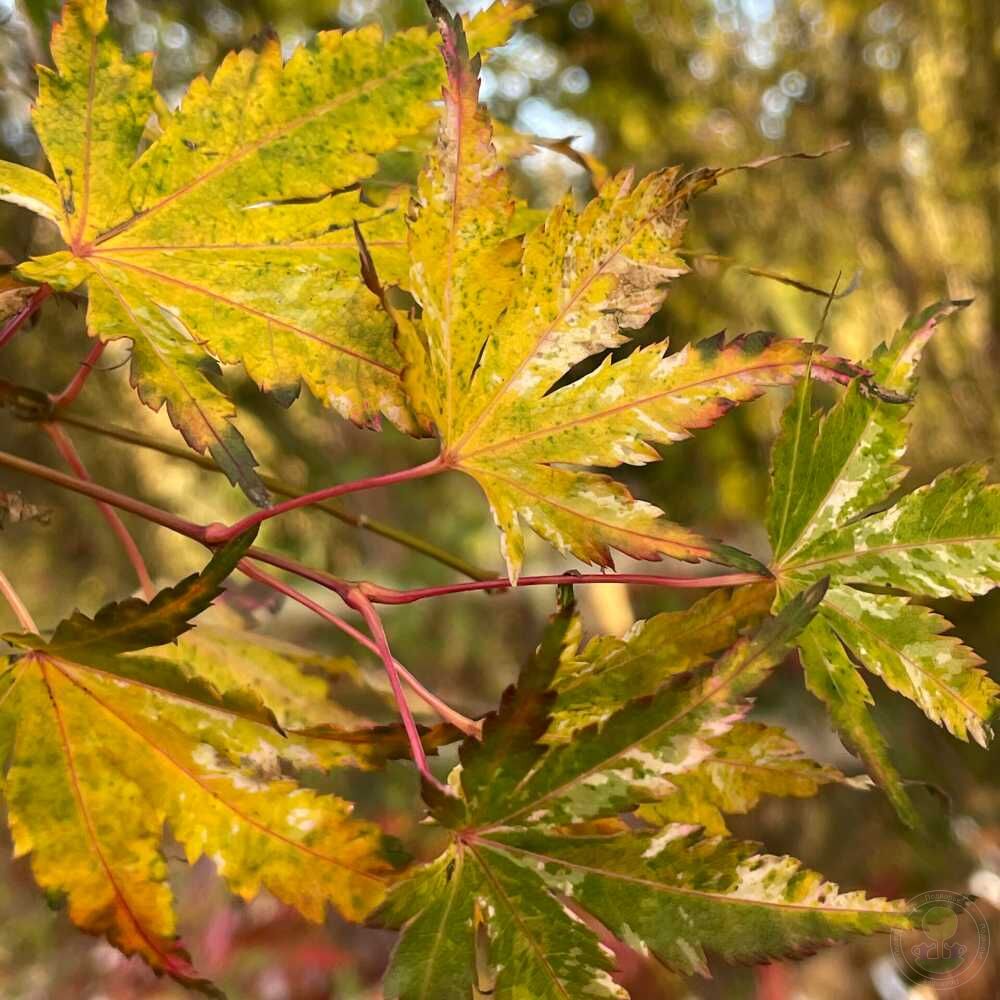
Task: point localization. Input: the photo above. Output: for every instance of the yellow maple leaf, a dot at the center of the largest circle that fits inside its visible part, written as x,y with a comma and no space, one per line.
504,318
229,237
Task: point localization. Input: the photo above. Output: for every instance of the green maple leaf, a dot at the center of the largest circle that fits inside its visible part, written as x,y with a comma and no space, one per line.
741,765
228,239
103,742
503,318
829,470
536,840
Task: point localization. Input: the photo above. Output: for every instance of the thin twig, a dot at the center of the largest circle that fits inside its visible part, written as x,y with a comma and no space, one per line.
370,615
216,534
79,380
275,485
21,613
372,592
461,722
144,510
65,447
386,595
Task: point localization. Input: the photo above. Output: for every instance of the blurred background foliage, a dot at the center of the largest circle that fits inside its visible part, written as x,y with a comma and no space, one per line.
907,214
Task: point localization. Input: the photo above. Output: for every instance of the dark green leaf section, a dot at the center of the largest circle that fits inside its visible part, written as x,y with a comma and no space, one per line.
538,850
477,919
833,678
494,768
436,958
133,624
829,471
678,894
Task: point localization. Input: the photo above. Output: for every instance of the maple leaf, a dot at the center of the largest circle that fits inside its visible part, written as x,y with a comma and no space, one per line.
829,470
102,742
504,318
501,904
228,239
742,765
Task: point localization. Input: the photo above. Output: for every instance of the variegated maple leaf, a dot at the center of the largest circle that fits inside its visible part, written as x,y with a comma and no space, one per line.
503,318
829,471
536,841
228,239
103,741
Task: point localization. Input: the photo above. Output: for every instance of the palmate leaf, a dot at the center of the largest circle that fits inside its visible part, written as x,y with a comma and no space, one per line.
102,744
828,471
229,238
503,319
499,909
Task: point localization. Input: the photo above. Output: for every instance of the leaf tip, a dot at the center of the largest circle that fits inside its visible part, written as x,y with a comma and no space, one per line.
728,555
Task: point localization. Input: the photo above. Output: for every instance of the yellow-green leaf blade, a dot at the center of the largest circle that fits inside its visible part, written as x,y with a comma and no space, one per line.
90,116
503,320
608,418
228,240
261,829
462,262
30,189
285,299
93,835
747,763
903,644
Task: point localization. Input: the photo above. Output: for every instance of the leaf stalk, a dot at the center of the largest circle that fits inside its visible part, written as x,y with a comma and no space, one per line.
219,534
